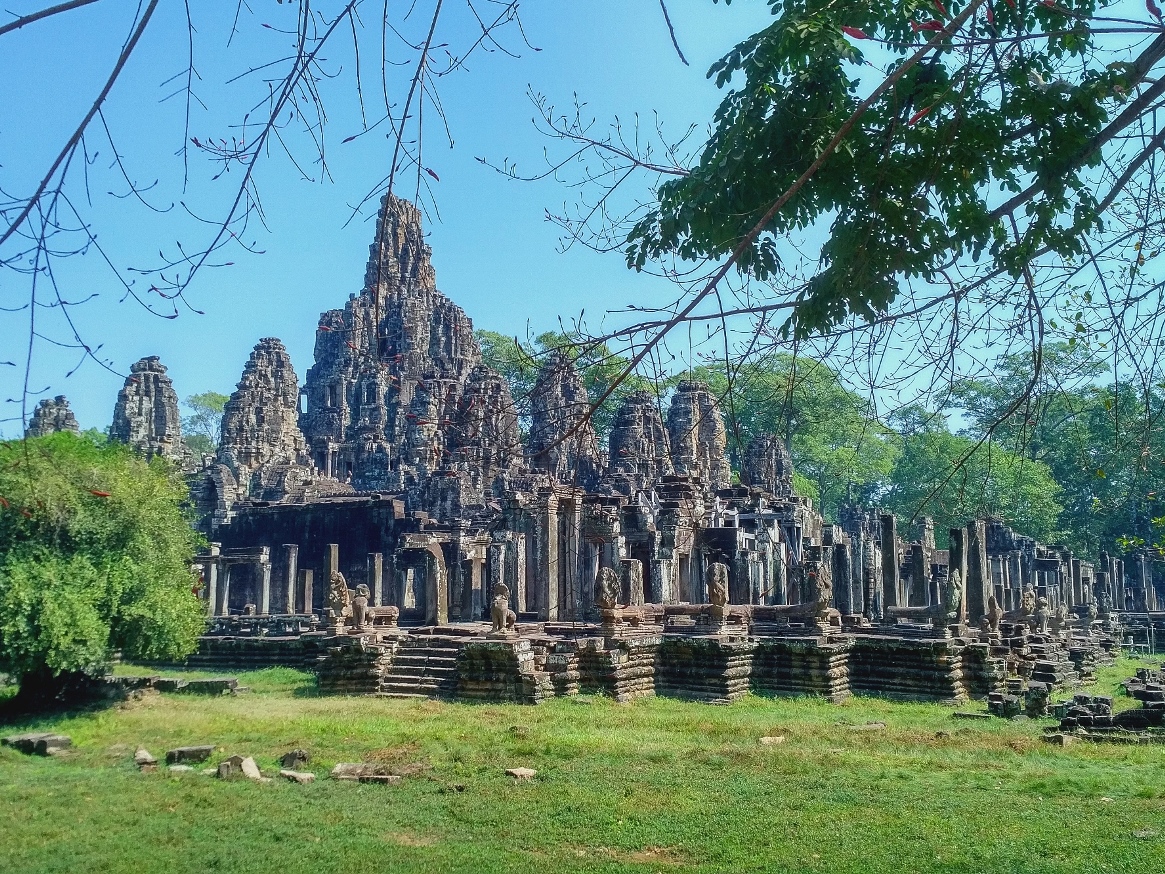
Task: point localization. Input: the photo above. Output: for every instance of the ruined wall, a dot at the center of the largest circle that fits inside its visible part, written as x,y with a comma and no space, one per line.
146,414
390,367
697,435
558,404
50,416
261,442
639,448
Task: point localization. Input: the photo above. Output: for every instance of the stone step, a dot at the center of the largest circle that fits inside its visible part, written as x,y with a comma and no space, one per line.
415,658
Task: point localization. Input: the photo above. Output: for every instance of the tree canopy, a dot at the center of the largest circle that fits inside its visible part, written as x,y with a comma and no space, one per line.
201,429
95,554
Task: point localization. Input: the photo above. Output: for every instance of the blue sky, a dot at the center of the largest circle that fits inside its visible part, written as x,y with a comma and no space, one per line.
494,252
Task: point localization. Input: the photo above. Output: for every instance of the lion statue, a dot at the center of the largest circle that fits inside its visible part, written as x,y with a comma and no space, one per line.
504,619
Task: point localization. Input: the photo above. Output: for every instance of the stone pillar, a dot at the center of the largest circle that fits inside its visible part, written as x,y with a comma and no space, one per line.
478,599
436,588
958,555
631,572
572,594
291,559
1014,579
331,562
516,570
978,584
376,577
546,549
842,576
306,580
224,607
919,576
890,581
496,568
211,571
265,582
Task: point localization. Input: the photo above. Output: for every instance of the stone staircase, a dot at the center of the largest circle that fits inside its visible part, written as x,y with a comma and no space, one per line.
423,667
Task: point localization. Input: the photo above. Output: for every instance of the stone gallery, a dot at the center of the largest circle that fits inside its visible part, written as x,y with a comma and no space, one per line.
389,526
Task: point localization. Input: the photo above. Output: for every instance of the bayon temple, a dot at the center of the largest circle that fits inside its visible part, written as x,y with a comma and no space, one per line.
389,526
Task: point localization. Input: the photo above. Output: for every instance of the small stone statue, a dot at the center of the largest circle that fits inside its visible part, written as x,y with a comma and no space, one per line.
1104,603
1027,602
1092,613
504,619
1059,619
606,589
718,584
360,607
953,597
994,615
339,598
1042,617
822,585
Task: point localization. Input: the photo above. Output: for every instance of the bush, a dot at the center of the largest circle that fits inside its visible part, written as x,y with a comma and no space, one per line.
95,551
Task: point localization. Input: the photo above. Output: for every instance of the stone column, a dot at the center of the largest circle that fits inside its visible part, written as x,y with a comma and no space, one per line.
978,584
478,600
1014,579
631,570
210,569
376,577
224,607
572,559
546,550
919,576
516,562
265,582
958,555
306,580
291,557
496,568
890,580
331,562
436,588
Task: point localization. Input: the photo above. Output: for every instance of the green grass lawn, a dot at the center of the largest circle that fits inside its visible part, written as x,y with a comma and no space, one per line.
656,785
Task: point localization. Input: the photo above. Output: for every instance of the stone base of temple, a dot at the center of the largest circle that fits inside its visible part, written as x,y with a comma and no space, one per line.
671,651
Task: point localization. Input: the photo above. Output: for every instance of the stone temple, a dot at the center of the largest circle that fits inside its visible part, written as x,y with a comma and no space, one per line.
389,525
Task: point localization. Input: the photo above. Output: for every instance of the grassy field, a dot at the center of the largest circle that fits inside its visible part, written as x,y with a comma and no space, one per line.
657,785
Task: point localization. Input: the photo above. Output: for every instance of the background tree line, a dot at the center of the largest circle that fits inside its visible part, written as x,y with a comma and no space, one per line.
1079,463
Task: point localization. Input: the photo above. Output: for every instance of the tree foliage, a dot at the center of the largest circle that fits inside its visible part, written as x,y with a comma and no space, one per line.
598,366
95,554
953,479
201,429
838,448
1101,438
1021,98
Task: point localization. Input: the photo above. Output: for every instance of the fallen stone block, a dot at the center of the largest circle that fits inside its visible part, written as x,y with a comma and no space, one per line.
294,759
38,743
963,715
1060,739
144,760
211,686
188,755
170,684
302,777
180,769
772,741
241,767
521,773
364,772
209,772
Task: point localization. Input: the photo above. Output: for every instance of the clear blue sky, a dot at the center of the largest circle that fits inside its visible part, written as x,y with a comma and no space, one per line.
494,252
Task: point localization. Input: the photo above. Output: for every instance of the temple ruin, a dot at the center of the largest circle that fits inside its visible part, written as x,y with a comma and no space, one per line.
51,416
388,526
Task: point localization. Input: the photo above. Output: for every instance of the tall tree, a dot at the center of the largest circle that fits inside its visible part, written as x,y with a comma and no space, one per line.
838,448
954,479
598,366
202,428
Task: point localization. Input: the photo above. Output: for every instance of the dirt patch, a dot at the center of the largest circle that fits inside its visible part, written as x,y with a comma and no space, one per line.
407,839
645,856
402,759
